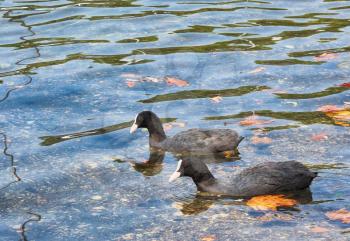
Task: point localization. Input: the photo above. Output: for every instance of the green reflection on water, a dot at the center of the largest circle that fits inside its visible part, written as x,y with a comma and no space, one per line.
327,92
106,3
50,140
41,42
195,94
282,62
197,29
276,128
152,38
319,52
306,118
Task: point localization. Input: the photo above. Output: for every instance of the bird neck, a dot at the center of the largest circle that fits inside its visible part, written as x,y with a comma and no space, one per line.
156,133
200,178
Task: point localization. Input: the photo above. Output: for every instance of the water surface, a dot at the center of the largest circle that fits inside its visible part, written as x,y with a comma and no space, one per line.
69,168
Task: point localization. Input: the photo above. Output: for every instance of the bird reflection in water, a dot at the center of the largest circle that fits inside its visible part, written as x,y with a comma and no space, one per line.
203,201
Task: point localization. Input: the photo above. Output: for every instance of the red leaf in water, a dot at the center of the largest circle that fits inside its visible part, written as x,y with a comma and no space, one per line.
130,84
175,81
319,137
329,108
326,57
345,85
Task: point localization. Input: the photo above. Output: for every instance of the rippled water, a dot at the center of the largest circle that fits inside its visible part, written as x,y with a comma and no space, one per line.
70,170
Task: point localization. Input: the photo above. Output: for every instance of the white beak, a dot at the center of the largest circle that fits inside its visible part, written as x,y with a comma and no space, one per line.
174,176
133,128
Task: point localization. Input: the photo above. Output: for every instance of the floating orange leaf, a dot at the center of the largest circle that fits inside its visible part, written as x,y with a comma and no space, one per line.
340,116
257,70
208,238
319,229
261,140
270,202
342,215
326,57
175,81
319,137
216,99
253,120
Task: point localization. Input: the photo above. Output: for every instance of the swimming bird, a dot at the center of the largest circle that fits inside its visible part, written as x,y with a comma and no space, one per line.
192,141
265,178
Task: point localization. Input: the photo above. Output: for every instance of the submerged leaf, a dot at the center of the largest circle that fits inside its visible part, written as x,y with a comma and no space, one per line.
270,202
175,81
253,120
208,238
267,217
216,99
169,126
342,215
261,140
130,84
257,70
326,56
329,108
319,137
318,229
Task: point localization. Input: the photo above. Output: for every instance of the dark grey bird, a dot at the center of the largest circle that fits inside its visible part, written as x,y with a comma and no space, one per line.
192,141
266,178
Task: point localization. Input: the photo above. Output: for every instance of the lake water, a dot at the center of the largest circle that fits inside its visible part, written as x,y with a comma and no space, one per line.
73,74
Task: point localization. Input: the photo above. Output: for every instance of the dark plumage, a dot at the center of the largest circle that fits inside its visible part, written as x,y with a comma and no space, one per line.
266,178
191,141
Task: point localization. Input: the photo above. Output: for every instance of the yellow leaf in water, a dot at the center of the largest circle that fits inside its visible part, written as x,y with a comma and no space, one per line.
229,154
270,202
341,117
342,215
208,238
